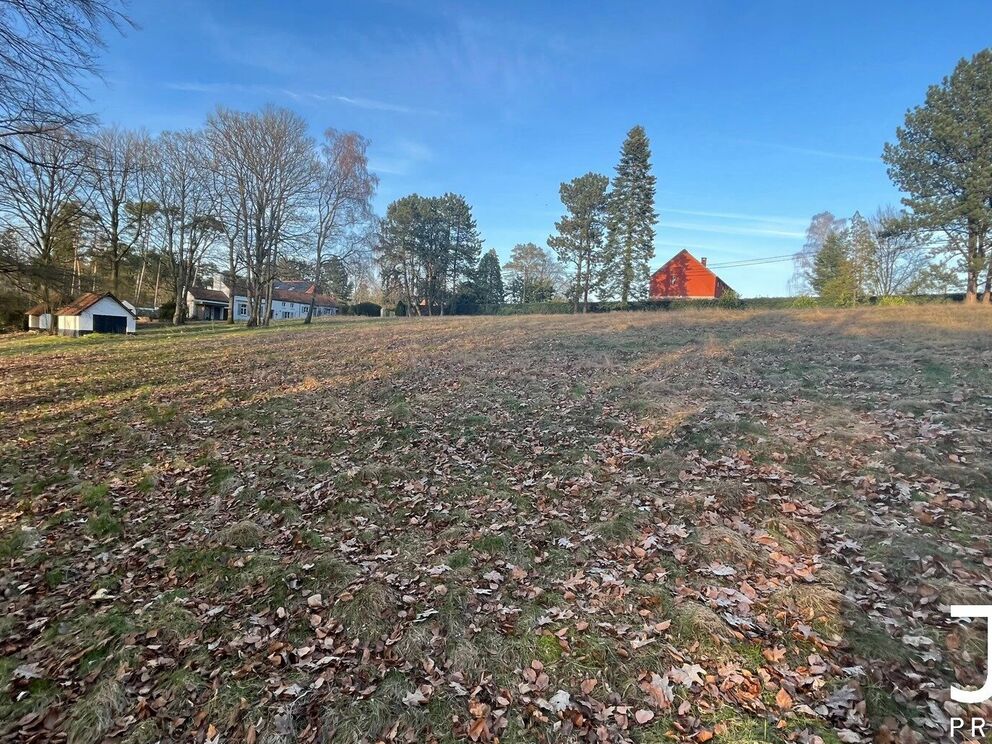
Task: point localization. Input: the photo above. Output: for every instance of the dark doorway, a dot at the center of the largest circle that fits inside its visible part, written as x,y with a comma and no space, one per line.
109,324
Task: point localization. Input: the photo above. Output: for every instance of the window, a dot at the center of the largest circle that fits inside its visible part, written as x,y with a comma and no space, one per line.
286,314
242,308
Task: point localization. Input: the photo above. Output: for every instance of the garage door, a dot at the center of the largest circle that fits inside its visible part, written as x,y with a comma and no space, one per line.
109,324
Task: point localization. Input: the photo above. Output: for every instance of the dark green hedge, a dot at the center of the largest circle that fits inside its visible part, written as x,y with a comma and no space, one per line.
726,302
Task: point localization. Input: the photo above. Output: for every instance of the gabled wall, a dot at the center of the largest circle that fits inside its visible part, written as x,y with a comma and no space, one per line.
685,277
78,325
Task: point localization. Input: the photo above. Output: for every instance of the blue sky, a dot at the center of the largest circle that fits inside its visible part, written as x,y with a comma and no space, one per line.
760,114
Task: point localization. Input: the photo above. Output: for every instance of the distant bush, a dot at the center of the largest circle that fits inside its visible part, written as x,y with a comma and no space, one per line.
892,301
730,299
536,308
12,307
368,309
166,310
465,303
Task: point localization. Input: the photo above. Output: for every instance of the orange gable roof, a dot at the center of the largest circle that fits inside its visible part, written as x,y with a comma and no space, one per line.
684,276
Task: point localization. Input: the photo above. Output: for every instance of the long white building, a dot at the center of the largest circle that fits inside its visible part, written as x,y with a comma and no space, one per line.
290,300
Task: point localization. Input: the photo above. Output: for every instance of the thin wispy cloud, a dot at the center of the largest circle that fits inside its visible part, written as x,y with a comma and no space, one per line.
767,232
398,158
712,250
815,152
368,103
296,95
767,219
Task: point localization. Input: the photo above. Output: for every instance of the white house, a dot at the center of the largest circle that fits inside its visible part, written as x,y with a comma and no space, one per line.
39,319
287,304
95,313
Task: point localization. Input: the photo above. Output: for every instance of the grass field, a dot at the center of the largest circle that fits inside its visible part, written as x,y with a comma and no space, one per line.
726,526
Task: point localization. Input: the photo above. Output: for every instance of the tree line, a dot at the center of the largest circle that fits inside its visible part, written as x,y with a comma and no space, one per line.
942,160
254,196
428,250
249,193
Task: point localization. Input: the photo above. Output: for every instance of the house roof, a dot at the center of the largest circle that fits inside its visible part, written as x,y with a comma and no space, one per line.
40,309
294,285
85,301
699,266
208,295
202,294
690,256
304,298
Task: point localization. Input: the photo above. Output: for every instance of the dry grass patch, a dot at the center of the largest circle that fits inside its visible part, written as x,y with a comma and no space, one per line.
244,534
370,612
93,716
814,603
724,545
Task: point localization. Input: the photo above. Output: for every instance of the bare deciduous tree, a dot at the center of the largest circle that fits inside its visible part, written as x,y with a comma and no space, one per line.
266,162
46,48
186,223
42,198
820,228
343,199
901,254
118,164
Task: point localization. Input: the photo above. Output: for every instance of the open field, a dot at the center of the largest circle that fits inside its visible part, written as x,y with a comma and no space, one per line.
726,526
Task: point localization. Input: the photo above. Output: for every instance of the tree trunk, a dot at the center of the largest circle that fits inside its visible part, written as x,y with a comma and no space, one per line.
585,292
268,304
178,316
231,281
577,288
137,286
972,266
158,274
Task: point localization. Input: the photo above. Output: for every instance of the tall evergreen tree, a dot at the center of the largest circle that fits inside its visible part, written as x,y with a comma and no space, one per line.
427,249
489,281
579,241
834,277
337,280
631,218
862,250
942,160
820,228
464,243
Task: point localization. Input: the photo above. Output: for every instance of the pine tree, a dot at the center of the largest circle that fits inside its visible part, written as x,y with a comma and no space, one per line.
631,218
863,250
834,278
337,279
579,241
464,243
941,160
489,281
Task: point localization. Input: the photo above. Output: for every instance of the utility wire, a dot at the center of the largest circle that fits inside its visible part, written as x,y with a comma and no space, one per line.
753,261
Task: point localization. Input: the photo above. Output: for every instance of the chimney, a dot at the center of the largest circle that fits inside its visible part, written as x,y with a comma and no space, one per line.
703,260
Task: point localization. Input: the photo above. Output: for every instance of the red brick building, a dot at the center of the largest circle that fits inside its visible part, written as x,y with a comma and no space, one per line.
685,277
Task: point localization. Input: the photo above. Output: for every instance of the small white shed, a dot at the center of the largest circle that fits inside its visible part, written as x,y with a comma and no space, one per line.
95,313
39,319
